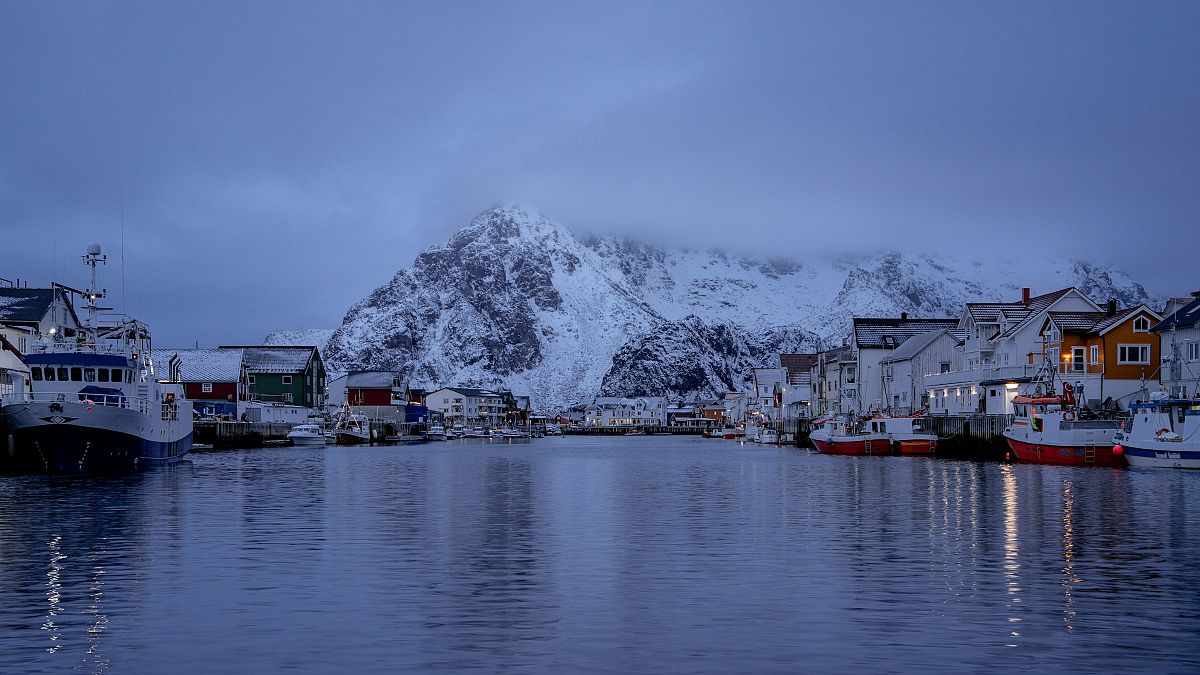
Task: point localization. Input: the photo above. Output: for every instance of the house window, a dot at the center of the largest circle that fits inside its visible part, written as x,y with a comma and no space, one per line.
287,379
1141,325
287,397
250,379
1077,359
206,388
944,367
1095,354
1133,355
1193,351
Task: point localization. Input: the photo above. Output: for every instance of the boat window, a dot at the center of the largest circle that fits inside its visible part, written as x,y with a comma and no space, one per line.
89,374
64,375
1181,413
49,374
77,374
36,374
102,374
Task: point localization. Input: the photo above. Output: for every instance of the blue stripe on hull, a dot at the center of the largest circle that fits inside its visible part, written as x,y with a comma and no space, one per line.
71,449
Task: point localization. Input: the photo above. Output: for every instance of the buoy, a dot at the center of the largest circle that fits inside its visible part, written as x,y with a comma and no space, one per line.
1118,450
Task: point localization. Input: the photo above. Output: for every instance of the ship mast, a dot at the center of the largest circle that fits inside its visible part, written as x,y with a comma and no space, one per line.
92,258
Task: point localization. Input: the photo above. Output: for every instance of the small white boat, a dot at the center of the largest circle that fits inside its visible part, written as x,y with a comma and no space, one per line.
515,433
767,436
1163,433
436,432
306,434
474,432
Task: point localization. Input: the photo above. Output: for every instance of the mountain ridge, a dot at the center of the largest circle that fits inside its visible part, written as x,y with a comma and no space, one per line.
517,300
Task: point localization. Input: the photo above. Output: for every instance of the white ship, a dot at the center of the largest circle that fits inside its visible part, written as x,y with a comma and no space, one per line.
96,403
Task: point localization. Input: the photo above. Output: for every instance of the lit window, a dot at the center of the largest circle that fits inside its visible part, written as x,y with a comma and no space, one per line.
206,387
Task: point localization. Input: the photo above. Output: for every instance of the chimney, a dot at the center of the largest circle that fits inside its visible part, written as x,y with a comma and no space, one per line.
1025,296
1112,306
904,316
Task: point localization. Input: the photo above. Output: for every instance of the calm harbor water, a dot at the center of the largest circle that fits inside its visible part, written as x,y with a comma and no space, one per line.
648,554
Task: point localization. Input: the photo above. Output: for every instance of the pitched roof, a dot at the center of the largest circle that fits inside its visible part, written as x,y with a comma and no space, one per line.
205,365
797,361
370,379
1185,317
915,344
26,305
1094,323
470,391
277,359
890,333
994,312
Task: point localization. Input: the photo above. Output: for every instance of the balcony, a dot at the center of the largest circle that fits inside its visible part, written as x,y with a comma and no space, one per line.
981,374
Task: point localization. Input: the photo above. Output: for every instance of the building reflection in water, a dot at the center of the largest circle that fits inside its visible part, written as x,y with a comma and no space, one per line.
1012,551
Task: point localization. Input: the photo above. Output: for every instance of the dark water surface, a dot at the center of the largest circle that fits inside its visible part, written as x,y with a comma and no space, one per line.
578,554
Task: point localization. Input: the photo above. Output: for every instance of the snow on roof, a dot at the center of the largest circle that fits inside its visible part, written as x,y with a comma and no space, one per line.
371,379
1187,316
25,305
204,365
277,359
871,333
914,345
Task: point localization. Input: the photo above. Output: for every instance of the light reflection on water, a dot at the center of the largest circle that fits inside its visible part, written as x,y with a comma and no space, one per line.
615,554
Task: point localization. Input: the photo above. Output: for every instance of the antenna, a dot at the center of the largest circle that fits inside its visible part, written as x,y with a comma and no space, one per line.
123,305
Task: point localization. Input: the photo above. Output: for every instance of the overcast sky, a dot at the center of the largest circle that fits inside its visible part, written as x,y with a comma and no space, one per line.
279,160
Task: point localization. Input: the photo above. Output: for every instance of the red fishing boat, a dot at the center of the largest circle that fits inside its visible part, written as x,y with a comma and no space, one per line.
847,436
1048,429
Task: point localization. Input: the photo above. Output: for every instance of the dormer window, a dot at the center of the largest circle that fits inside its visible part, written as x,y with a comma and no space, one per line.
1141,325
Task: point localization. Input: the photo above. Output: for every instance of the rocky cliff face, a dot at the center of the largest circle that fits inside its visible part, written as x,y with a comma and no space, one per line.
516,300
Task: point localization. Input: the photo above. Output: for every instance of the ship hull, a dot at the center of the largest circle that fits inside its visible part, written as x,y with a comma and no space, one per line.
1161,457
861,446
915,446
77,438
1065,455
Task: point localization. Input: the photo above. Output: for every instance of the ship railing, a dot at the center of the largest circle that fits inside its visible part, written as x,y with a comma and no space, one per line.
107,400
65,347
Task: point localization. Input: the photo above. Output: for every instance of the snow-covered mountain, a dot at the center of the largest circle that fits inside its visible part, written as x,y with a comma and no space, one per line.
315,337
517,300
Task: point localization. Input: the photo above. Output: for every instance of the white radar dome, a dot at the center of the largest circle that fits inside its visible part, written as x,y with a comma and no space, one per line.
93,249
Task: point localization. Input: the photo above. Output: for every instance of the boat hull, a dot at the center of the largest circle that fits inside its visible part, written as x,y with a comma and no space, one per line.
307,440
1161,457
915,446
70,437
863,446
1065,455
348,438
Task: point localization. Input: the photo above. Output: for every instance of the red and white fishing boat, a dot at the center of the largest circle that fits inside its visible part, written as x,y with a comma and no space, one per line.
909,434
1048,430
847,436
